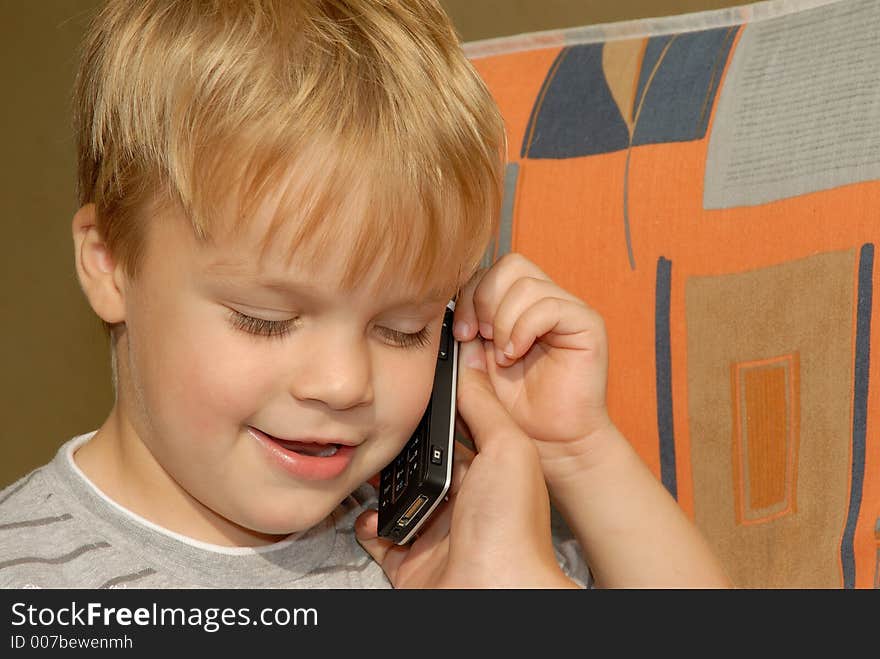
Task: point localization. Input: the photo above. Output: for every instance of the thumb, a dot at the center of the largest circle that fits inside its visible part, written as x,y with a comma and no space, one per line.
476,400
367,534
388,555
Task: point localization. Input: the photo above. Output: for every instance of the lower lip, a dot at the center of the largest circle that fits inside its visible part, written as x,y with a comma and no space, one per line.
307,467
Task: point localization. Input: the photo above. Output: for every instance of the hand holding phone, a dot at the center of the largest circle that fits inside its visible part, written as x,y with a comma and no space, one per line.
498,533
417,480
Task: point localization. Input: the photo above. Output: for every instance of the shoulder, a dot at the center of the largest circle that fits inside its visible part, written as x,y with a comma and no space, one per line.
42,530
37,497
31,514
29,494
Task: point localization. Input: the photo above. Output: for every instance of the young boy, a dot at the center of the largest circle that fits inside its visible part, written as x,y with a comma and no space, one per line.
278,199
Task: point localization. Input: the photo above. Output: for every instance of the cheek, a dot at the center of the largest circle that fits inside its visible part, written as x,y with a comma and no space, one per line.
198,375
405,388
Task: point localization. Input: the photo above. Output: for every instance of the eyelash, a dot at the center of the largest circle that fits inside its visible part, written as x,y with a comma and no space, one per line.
278,329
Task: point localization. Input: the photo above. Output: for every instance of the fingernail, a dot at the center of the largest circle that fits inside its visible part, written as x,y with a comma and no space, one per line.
501,358
461,329
508,350
486,330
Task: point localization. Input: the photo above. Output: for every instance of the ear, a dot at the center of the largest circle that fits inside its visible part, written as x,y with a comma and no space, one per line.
100,278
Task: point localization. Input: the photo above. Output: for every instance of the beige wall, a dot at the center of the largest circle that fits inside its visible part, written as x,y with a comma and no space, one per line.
56,375
484,19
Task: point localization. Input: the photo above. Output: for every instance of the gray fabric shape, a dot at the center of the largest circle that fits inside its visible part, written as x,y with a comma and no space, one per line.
799,108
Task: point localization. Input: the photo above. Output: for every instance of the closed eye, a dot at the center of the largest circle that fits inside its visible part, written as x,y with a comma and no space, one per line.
282,328
418,339
261,326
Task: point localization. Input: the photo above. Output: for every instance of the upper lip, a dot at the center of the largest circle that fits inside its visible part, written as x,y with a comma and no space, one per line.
311,439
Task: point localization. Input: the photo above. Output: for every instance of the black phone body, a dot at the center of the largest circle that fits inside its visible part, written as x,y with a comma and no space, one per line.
417,480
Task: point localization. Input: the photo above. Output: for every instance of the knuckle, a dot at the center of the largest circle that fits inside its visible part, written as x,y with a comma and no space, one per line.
527,285
512,259
557,305
596,319
483,308
519,263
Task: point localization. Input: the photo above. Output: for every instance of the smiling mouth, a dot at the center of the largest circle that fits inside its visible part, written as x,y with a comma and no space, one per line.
312,449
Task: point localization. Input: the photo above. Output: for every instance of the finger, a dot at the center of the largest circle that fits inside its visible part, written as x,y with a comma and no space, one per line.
524,293
556,322
465,326
494,284
388,555
487,419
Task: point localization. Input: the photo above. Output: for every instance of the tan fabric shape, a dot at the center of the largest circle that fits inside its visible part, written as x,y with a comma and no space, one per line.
621,62
758,319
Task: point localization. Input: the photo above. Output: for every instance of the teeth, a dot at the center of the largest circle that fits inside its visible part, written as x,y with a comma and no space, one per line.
314,450
326,452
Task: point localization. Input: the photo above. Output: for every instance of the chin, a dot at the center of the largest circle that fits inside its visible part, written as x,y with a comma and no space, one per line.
295,518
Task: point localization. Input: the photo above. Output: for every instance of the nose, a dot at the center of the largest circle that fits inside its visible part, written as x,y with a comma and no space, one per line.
335,370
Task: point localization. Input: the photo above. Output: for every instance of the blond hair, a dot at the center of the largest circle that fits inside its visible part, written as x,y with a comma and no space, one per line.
370,103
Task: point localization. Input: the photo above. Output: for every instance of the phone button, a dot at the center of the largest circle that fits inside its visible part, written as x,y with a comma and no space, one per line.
399,485
413,471
445,333
436,455
386,483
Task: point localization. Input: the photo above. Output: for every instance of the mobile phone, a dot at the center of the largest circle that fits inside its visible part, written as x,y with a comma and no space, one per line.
417,480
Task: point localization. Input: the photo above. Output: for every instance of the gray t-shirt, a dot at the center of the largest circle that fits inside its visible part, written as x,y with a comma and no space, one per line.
57,530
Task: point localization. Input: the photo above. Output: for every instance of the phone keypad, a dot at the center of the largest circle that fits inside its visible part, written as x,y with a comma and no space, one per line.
407,468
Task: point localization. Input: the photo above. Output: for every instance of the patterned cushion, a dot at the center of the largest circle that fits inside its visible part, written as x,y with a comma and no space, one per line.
711,184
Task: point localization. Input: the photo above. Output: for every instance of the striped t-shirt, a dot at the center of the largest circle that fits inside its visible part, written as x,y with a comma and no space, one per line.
57,530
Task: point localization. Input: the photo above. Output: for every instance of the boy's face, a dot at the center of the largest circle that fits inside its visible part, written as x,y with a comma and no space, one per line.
204,395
